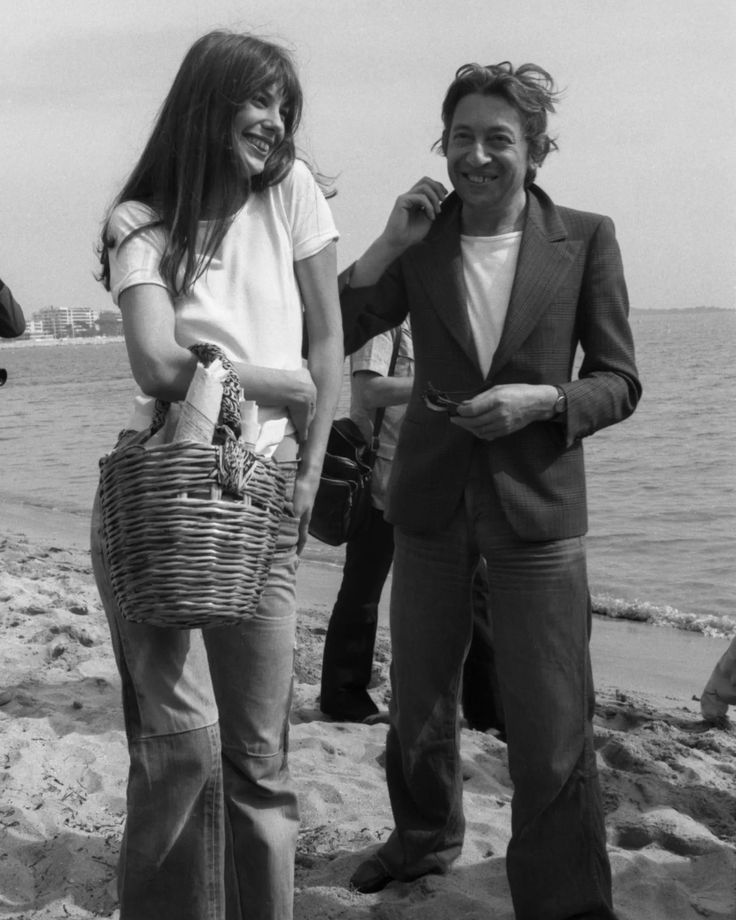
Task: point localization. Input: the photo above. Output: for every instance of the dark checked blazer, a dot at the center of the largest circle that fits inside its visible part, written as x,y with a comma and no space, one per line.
568,291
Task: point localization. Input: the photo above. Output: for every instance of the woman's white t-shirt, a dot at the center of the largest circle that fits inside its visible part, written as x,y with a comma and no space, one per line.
247,302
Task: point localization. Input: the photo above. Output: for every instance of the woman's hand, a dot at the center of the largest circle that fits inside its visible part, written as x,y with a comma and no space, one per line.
305,491
302,402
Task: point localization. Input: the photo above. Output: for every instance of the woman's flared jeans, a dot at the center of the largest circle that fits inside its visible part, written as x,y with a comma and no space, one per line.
539,600
212,815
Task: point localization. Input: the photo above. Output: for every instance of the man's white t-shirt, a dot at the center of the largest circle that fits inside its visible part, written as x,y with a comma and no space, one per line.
489,266
248,301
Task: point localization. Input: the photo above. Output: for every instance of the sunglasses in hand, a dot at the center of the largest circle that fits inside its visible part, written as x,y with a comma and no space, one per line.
444,401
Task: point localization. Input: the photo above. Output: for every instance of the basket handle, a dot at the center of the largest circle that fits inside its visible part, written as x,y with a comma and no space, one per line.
206,353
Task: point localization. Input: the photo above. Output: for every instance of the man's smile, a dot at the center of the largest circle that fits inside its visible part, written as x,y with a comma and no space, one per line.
478,179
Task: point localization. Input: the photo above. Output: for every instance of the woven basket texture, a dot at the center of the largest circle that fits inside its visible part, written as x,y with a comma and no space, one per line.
177,556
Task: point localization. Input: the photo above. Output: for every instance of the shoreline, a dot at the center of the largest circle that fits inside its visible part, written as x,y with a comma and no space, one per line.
642,657
661,662
72,526
71,340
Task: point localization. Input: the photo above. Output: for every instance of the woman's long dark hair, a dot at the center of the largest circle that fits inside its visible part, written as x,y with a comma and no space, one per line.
190,160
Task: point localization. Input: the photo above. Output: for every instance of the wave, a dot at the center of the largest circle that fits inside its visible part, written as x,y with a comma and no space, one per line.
711,625
332,558
41,505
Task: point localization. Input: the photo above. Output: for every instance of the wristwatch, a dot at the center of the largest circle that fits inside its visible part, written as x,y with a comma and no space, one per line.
560,402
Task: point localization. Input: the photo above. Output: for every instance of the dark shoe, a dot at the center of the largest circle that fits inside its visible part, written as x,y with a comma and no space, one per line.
378,718
370,876
348,706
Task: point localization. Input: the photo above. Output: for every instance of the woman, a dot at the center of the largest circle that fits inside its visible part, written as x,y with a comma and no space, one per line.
219,236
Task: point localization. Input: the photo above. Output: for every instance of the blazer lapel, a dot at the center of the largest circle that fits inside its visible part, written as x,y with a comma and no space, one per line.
439,264
545,258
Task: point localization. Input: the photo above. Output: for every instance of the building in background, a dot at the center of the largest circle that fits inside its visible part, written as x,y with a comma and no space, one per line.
50,323
64,322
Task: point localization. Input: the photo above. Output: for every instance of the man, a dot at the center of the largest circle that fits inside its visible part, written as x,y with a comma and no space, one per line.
502,287
720,691
12,321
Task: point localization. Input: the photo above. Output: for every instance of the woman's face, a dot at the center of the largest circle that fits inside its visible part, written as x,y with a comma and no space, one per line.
259,128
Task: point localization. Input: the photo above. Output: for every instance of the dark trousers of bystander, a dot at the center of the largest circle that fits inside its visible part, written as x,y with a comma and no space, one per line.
351,636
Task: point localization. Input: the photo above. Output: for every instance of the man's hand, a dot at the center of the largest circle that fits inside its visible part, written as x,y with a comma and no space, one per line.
413,213
409,221
506,408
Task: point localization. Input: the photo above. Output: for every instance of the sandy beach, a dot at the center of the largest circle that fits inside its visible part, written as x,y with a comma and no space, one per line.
669,780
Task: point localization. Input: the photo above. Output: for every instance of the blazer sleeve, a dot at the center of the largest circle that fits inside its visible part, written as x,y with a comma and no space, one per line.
368,311
12,321
608,388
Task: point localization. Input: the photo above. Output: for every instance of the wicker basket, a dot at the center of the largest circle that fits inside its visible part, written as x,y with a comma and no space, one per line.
178,555
190,529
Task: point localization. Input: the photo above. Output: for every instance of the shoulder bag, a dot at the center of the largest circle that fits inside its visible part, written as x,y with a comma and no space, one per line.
343,501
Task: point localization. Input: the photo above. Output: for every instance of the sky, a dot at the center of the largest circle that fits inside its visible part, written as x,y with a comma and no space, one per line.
646,126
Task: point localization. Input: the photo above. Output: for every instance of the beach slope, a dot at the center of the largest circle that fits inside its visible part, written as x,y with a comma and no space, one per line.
669,781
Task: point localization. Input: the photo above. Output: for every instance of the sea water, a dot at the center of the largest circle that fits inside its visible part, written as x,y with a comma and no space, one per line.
661,485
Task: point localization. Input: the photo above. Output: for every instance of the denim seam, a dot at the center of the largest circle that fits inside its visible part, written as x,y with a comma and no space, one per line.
215,871
184,731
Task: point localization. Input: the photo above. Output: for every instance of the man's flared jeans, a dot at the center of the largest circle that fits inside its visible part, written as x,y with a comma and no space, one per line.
540,604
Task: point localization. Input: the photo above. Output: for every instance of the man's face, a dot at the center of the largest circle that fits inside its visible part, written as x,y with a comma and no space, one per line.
487,154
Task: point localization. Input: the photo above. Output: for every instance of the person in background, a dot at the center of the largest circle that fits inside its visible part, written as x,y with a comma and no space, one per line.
351,633
502,287
222,236
12,321
480,694
347,661
720,690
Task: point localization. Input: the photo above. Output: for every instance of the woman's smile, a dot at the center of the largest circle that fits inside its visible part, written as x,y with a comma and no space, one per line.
259,129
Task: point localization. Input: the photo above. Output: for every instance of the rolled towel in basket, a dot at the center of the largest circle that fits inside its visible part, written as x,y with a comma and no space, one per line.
201,409
249,427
